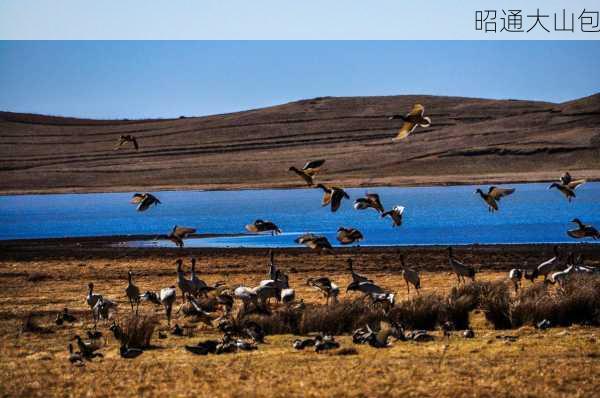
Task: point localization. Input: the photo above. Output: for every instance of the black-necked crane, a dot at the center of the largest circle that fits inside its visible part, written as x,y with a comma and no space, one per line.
132,292
167,297
515,275
300,344
493,196
75,357
272,273
410,121
356,277
332,196
368,288
128,138
561,277
325,343
198,285
548,266
369,201
461,270
309,171
144,201
348,236
184,284
318,243
411,276
327,287
104,308
178,234
583,230
129,352
395,214
87,350
92,298
246,295
259,226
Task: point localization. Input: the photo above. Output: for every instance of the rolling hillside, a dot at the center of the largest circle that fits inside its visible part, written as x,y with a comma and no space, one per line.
470,140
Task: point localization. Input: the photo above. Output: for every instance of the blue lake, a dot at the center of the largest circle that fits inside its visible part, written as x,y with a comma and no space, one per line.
433,215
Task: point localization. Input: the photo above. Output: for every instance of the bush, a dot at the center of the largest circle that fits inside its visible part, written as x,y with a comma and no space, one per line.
138,330
421,312
339,318
577,302
495,301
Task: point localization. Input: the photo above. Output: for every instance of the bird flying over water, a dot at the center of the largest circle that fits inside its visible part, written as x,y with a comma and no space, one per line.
371,200
178,234
310,169
411,120
263,226
567,185
395,214
127,139
144,201
316,242
493,196
332,195
583,230
347,236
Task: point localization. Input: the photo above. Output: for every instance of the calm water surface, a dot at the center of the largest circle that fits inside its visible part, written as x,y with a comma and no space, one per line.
434,215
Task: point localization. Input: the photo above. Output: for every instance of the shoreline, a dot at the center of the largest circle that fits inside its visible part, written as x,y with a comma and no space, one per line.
371,183
108,248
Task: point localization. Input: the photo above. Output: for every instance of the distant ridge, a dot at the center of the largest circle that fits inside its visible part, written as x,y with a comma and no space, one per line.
470,141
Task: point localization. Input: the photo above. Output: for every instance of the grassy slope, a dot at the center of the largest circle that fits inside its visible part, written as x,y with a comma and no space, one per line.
471,140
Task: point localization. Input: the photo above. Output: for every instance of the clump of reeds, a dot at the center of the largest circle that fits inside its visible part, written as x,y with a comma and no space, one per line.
137,330
576,302
421,312
339,318
495,301
284,320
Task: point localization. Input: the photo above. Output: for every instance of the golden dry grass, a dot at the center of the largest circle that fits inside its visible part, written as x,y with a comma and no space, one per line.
555,362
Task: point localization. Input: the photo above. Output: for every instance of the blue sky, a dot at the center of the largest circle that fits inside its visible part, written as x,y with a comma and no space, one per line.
134,79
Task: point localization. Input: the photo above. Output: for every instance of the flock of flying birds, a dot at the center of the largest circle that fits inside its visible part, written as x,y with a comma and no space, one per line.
333,196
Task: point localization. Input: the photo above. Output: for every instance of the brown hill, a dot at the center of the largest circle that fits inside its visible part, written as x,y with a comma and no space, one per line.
470,140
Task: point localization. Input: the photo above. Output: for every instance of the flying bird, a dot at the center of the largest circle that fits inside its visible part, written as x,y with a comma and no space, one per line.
567,185
411,120
583,230
371,200
178,234
567,180
127,139
332,195
347,236
395,214
493,196
144,201
318,243
259,226
309,171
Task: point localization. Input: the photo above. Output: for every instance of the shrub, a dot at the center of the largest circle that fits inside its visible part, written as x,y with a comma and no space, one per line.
495,301
421,312
338,318
138,330
578,301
